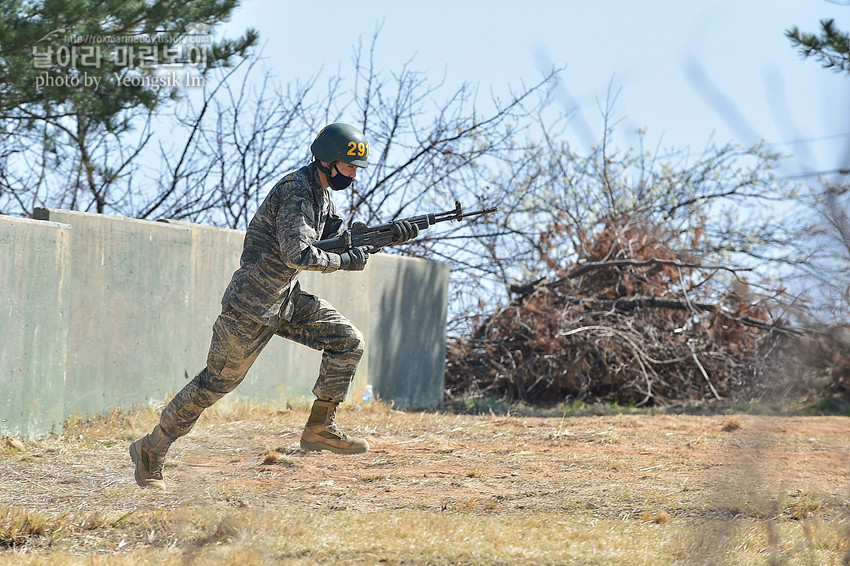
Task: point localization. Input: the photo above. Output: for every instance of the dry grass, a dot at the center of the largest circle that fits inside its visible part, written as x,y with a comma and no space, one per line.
437,489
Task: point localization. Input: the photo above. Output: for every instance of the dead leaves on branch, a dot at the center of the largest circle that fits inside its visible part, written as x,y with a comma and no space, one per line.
636,322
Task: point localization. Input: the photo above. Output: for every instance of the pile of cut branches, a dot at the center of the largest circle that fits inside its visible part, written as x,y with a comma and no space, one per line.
635,322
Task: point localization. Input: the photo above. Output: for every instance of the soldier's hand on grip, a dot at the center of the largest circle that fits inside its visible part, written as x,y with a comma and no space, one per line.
353,259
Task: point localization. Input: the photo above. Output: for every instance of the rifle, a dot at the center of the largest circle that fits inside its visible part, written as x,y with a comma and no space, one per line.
377,237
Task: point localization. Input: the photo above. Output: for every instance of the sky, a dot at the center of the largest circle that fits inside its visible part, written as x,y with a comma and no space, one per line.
689,73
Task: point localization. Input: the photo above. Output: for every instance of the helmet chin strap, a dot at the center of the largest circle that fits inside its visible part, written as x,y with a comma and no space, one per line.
323,169
342,182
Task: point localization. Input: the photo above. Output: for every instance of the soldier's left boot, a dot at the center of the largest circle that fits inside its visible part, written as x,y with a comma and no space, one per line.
148,455
321,432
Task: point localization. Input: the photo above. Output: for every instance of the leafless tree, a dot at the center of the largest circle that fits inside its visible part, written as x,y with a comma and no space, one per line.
61,161
229,145
431,146
717,206
430,149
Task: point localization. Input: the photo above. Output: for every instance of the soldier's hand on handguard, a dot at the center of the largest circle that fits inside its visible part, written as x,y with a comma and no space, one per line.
354,259
404,231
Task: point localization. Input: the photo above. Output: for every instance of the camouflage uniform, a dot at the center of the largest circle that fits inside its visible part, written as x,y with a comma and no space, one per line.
264,299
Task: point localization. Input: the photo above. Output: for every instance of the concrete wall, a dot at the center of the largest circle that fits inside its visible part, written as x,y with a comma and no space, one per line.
407,326
128,297
34,316
139,299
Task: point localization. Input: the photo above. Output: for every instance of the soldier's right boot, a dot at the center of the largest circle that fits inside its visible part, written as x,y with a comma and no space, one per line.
148,454
321,432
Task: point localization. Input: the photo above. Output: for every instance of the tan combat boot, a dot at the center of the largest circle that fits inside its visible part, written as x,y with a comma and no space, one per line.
148,454
321,432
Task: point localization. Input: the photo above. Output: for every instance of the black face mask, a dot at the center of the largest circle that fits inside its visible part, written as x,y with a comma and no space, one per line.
338,181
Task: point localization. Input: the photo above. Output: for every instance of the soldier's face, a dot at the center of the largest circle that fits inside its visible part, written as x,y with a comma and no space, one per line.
347,170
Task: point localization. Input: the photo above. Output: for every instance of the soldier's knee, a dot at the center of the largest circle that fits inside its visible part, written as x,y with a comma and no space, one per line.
215,386
356,341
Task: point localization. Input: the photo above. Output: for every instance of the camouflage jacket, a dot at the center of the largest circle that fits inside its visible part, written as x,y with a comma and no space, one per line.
279,244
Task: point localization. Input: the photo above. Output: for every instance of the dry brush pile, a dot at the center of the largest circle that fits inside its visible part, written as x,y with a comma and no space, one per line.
636,322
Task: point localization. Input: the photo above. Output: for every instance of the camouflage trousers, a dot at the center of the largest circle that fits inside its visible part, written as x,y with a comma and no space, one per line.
237,341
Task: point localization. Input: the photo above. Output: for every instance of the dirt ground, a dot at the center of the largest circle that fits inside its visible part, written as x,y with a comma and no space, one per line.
656,467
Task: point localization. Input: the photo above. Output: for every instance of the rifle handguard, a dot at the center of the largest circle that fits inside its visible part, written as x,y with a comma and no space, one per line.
377,237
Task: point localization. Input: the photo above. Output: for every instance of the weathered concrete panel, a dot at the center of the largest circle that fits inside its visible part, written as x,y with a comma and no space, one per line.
129,280
34,315
408,313
213,256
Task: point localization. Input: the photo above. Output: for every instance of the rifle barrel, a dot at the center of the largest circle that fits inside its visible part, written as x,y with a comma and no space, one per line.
477,212
458,214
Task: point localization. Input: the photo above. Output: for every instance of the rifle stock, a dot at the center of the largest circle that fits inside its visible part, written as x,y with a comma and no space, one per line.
377,237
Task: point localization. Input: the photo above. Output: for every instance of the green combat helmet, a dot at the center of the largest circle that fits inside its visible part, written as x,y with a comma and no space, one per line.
341,142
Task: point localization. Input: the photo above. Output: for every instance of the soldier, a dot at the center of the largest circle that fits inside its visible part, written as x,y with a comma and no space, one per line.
264,298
